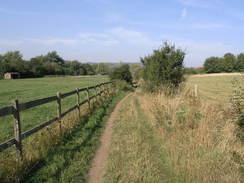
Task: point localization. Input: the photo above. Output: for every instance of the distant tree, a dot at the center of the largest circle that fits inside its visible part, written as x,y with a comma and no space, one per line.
228,62
89,69
136,71
53,57
122,73
12,61
164,67
240,63
102,68
212,65
190,70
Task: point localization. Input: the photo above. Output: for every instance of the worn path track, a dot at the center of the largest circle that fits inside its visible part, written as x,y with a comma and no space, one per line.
99,162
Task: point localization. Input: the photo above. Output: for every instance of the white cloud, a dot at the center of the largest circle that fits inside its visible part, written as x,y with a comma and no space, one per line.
183,13
196,3
117,35
131,36
51,41
97,38
10,43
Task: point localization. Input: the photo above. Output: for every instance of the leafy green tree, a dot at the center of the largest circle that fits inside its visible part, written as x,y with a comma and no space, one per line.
89,69
228,62
122,73
240,63
164,67
102,68
213,65
12,61
136,71
53,57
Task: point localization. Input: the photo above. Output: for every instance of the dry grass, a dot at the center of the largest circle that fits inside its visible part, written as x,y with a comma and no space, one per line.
198,138
157,138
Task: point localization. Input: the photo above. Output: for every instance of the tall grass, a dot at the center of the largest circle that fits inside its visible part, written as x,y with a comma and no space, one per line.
198,137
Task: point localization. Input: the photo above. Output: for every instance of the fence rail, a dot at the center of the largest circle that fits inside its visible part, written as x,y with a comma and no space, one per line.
17,107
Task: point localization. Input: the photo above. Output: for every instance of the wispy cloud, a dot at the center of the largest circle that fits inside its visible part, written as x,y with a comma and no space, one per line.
97,38
10,43
51,41
196,3
131,36
183,13
115,36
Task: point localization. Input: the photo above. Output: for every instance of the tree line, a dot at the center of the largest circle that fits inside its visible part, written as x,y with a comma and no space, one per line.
228,63
49,64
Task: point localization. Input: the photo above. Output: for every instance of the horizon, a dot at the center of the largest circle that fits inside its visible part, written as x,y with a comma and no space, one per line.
108,31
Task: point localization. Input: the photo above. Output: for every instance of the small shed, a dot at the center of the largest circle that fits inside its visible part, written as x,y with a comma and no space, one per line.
11,75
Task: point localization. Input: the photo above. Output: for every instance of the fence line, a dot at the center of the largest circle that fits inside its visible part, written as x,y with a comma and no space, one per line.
17,107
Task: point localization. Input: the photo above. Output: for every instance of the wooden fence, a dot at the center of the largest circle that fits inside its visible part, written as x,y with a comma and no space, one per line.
17,107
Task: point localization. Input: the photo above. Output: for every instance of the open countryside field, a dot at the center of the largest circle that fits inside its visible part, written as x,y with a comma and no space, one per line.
30,89
218,87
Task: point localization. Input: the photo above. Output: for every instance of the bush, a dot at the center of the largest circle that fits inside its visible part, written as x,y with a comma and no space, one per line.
122,73
121,85
164,67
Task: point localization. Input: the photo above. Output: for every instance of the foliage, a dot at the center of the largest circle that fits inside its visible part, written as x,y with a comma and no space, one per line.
164,67
122,85
228,63
102,68
238,106
122,73
49,64
136,72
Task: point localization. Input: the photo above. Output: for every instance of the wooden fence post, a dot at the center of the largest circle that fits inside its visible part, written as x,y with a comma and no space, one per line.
59,111
78,101
195,90
96,94
17,130
88,98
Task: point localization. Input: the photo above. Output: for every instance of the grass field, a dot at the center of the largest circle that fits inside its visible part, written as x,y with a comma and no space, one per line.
160,138
30,89
164,139
216,88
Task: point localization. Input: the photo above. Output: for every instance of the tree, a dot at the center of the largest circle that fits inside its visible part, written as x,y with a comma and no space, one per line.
164,67
240,63
136,71
122,73
228,62
12,61
102,68
212,65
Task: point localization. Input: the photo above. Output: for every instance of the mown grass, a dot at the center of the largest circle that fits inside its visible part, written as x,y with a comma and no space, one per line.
66,158
215,88
30,89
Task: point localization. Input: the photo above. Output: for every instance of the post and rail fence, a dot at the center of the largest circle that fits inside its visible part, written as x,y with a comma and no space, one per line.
17,107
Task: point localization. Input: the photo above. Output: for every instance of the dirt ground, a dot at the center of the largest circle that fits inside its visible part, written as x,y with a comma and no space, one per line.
99,162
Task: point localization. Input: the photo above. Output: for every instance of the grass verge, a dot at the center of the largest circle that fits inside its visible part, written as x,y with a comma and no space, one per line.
67,158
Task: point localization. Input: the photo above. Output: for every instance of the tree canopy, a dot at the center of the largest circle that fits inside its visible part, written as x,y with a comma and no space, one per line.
164,67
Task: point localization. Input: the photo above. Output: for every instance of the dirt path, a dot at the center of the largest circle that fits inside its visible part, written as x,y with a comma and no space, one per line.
99,162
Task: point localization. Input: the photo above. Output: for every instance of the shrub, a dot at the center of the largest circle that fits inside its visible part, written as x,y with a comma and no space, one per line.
122,73
164,67
121,85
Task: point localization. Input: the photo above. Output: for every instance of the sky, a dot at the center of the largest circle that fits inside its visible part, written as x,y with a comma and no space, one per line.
113,31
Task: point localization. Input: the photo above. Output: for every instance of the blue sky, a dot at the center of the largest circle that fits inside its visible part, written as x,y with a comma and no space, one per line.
112,31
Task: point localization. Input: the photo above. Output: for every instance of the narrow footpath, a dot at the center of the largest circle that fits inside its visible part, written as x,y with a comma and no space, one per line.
100,160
